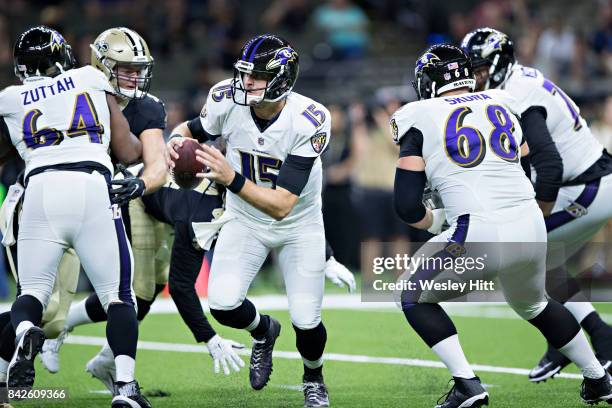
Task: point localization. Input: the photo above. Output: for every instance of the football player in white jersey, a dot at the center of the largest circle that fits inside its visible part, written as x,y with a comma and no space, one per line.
273,171
573,181
467,145
61,120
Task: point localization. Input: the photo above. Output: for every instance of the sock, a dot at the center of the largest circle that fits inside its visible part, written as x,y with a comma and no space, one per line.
450,352
95,310
143,307
245,317
122,330
260,326
579,351
311,344
430,322
28,310
580,310
557,324
77,315
7,343
592,322
124,368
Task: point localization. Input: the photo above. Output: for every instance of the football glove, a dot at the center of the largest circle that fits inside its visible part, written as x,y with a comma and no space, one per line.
339,274
439,219
129,187
223,353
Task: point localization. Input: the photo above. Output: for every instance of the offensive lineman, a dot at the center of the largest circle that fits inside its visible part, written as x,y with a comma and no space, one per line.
67,200
273,173
472,160
573,184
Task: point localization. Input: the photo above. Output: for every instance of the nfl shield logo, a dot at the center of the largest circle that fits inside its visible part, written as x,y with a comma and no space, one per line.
260,141
318,141
447,76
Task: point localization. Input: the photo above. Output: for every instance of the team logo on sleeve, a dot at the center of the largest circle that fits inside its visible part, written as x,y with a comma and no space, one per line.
318,141
394,130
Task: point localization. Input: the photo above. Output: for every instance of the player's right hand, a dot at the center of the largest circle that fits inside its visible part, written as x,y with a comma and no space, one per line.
171,146
223,353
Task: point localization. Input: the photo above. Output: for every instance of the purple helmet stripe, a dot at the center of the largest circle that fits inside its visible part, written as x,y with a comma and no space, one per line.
255,48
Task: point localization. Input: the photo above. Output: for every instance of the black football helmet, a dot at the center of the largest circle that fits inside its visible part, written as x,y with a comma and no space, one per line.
442,68
42,51
266,57
487,46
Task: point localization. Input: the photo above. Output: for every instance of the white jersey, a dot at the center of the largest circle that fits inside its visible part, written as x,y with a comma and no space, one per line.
64,119
471,147
577,147
302,129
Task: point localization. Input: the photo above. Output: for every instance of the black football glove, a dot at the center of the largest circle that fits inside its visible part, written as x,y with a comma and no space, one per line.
128,188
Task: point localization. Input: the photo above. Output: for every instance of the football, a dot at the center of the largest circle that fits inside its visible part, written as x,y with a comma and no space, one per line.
186,166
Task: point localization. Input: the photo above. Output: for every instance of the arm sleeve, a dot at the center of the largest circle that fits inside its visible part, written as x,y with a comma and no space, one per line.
294,172
329,252
408,195
544,155
411,144
198,132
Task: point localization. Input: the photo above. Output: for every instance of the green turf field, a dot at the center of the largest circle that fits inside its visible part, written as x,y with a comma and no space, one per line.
189,380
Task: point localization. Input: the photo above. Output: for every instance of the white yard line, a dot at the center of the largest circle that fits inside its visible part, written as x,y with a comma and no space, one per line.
292,355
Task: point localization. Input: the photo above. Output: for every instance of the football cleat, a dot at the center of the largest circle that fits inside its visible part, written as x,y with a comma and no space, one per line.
315,392
129,396
49,355
20,373
596,390
261,356
464,393
103,368
550,365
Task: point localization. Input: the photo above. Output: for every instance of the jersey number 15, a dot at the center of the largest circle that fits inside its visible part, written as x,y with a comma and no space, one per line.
84,122
465,145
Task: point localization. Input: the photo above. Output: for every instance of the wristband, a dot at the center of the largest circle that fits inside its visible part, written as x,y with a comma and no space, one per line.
237,183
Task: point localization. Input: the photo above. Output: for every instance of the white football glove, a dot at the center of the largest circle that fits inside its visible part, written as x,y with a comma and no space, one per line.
223,353
439,218
339,274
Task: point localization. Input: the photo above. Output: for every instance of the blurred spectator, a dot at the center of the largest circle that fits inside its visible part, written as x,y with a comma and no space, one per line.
602,129
176,116
339,160
602,37
345,26
375,175
287,15
555,49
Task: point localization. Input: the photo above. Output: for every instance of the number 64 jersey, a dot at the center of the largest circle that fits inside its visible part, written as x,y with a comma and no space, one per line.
302,128
471,147
64,119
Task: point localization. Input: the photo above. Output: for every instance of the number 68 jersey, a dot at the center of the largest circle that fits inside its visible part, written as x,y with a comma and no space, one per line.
471,147
64,119
302,128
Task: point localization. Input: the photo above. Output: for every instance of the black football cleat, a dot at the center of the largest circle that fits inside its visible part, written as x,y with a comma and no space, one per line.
465,393
261,356
20,373
550,365
129,396
597,390
315,392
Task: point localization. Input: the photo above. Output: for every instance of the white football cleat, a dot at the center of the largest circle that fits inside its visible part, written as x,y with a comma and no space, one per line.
102,367
49,356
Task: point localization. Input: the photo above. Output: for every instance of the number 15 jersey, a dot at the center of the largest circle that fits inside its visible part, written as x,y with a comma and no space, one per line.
471,147
64,119
302,128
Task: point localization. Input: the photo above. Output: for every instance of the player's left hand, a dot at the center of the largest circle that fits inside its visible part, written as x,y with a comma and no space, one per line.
219,169
223,353
339,274
129,188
